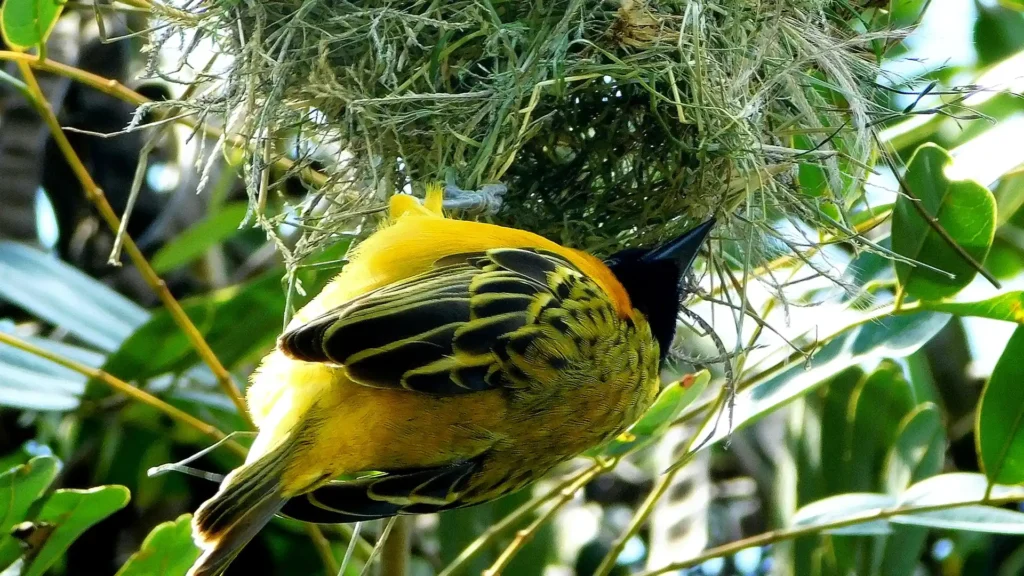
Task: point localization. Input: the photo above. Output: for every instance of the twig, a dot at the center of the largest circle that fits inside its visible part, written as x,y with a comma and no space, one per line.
645,510
775,536
494,531
394,557
125,388
95,195
117,90
323,548
526,534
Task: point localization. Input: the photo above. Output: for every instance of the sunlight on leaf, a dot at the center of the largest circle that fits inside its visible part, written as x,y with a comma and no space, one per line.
999,430
27,23
965,209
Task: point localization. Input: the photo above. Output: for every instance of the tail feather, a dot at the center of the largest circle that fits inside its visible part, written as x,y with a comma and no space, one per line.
248,498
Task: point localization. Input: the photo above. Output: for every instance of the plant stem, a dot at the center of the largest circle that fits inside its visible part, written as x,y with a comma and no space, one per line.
526,534
645,510
123,387
95,195
117,90
394,557
323,548
494,531
781,535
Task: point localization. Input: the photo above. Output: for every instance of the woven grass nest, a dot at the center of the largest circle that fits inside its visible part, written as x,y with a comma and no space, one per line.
610,122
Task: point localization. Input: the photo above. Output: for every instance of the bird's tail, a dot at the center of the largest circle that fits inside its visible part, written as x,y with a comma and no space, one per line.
247,499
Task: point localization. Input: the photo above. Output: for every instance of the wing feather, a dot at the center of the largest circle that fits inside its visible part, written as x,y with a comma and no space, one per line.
454,329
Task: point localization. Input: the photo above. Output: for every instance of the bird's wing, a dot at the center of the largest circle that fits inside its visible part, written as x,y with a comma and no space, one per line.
417,491
471,323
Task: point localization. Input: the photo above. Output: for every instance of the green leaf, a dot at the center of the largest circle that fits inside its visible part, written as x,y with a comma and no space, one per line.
973,518
669,404
1017,5
62,295
191,244
844,506
70,513
27,23
890,337
19,488
877,405
916,454
965,209
1000,425
1008,307
918,450
168,550
956,488
239,322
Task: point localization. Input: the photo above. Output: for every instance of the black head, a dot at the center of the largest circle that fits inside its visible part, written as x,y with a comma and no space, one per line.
653,278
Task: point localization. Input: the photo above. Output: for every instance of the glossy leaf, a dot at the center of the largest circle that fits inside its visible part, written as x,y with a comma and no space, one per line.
60,294
27,23
69,513
168,550
877,405
916,454
956,488
965,209
191,244
19,488
999,428
1008,307
973,518
890,337
847,506
667,406
918,450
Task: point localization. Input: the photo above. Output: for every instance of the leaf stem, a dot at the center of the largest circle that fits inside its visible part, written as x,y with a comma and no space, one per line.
394,557
494,531
95,195
774,536
123,387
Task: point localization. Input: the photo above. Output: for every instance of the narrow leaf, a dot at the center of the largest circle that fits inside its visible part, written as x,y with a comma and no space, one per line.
999,430
956,488
191,244
1008,307
973,518
918,450
965,209
847,506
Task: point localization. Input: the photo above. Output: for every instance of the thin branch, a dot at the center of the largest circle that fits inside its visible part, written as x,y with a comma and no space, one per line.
526,534
95,195
117,90
323,548
394,558
782,535
496,530
645,510
125,388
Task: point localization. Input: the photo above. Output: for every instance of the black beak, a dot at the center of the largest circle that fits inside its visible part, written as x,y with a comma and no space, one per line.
682,250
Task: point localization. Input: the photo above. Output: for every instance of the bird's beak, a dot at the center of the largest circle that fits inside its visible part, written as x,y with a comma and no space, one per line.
682,250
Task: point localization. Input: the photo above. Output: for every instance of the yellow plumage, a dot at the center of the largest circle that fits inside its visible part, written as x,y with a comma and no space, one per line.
461,359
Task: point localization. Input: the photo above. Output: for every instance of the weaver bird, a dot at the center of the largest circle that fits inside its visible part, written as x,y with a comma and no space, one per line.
458,361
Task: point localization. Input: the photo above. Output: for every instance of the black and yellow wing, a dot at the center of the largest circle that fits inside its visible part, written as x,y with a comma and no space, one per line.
473,322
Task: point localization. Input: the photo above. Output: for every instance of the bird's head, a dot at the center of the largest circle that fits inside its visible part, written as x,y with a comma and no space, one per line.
653,279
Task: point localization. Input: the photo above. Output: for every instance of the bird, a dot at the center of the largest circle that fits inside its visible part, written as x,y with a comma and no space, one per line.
449,363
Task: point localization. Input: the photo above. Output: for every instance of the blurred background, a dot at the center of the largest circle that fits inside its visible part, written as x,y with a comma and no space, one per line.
58,291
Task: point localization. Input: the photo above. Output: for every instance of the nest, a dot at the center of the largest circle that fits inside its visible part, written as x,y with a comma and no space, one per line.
610,122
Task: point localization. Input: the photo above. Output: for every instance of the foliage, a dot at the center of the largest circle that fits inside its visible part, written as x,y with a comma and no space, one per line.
867,435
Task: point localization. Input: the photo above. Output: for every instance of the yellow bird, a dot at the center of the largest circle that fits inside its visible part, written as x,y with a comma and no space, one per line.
457,362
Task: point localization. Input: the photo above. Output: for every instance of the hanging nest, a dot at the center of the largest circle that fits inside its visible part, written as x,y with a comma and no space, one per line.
610,122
